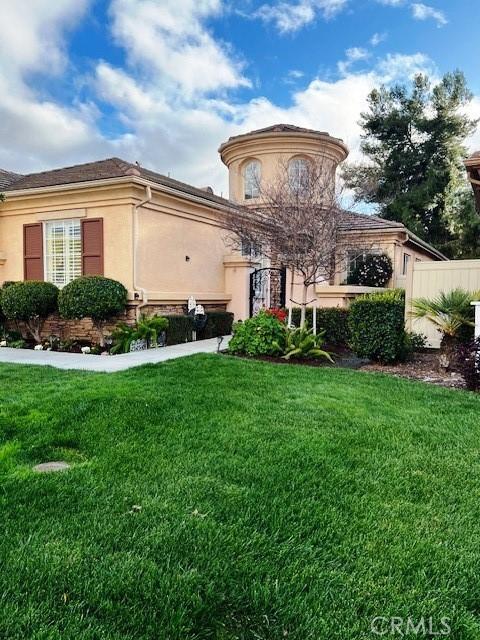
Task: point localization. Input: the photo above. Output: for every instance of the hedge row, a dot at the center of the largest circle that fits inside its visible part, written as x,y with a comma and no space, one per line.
333,321
180,327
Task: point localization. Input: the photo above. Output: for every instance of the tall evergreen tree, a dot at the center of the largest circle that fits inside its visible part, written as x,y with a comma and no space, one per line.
413,139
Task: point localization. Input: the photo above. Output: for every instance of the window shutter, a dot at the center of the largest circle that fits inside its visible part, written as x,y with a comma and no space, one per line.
92,247
33,251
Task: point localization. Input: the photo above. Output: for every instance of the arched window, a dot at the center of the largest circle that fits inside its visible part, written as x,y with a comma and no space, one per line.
298,172
251,178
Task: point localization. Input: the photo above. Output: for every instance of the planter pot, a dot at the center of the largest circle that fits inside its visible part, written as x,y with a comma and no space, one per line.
138,345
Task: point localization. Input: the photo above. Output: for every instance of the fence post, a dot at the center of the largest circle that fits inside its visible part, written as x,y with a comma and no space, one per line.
476,304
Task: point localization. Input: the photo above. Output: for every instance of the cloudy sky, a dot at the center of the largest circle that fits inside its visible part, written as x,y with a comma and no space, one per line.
164,82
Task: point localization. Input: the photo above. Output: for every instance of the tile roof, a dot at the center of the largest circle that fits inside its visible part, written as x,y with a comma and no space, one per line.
7,178
353,221
279,128
100,170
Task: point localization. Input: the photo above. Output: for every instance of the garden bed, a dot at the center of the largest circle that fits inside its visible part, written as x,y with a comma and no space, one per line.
421,366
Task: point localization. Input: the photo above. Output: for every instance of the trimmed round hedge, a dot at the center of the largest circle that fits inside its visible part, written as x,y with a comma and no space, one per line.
92,297
28,300
372,271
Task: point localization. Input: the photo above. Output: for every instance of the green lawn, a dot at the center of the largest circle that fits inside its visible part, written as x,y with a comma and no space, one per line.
276,502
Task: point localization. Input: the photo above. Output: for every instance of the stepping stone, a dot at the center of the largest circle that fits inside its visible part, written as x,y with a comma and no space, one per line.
49,467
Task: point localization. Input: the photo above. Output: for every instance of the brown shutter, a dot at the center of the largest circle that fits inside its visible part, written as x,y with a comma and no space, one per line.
33,251
92,247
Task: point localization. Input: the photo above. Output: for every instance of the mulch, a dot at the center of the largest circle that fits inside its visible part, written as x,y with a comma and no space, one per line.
421,366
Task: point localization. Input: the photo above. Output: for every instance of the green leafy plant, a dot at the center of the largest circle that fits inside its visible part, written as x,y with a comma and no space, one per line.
260,335
147,328
94,297
452,314
377,326
219,323
372,270
301,343
30,302
180,328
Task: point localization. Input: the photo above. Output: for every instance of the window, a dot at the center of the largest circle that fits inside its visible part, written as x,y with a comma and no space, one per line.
356,256
250,249
298,171
63,251
406,262
251,176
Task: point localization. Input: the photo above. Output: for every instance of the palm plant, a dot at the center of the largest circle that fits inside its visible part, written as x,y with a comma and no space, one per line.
451,312
302,343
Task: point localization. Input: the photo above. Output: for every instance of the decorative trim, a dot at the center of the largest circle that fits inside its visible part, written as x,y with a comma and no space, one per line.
66,214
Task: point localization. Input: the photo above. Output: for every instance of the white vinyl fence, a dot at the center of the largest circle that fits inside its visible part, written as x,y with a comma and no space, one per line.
428,279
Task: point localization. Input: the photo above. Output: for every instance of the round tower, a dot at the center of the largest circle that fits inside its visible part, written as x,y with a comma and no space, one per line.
254,158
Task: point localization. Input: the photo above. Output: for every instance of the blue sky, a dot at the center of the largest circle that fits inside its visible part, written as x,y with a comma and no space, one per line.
164,82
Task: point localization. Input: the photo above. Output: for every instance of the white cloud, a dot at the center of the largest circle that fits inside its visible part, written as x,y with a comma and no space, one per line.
289,17
32,128
168,40
352,55
425,12
378,38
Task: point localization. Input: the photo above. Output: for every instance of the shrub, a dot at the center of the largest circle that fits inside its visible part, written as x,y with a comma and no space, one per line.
147,328
377,326
372,270
301,343
468,363
180,329
219,323
332,321
30,302
93,297
260,335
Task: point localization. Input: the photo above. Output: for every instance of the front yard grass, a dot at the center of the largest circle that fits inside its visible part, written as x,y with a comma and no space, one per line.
216,498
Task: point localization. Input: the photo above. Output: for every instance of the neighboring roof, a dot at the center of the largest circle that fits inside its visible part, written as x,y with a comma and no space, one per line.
473,170
364,222
7,178
101,170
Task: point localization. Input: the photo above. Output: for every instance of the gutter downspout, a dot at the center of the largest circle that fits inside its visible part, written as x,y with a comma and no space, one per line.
136,287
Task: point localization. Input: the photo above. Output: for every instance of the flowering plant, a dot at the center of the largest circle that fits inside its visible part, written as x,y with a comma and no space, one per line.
279,314
372,271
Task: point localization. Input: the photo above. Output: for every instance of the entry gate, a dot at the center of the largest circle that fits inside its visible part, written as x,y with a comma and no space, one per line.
267,289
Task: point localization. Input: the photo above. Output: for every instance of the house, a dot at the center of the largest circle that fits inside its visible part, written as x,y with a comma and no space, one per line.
164,239
473,171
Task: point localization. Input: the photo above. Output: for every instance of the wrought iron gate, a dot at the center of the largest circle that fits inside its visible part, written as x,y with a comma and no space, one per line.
267,289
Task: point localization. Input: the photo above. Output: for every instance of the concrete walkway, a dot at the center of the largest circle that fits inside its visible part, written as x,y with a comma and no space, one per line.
109,364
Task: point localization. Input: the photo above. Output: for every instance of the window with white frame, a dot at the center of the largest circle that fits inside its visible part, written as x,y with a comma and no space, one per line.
406,262
298,173
63,251
251,178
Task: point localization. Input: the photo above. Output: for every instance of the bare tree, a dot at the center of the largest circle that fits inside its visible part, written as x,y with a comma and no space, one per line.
296,223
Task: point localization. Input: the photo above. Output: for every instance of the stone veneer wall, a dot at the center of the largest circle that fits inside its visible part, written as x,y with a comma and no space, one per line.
83,330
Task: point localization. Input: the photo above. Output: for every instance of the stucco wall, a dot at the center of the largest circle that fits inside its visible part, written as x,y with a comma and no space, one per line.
113,204
181,250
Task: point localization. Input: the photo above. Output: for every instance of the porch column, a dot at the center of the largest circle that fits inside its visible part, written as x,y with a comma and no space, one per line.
476,304
237,283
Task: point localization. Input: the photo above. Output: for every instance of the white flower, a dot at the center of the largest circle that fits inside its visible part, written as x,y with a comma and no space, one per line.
86,350
38,347
3,343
